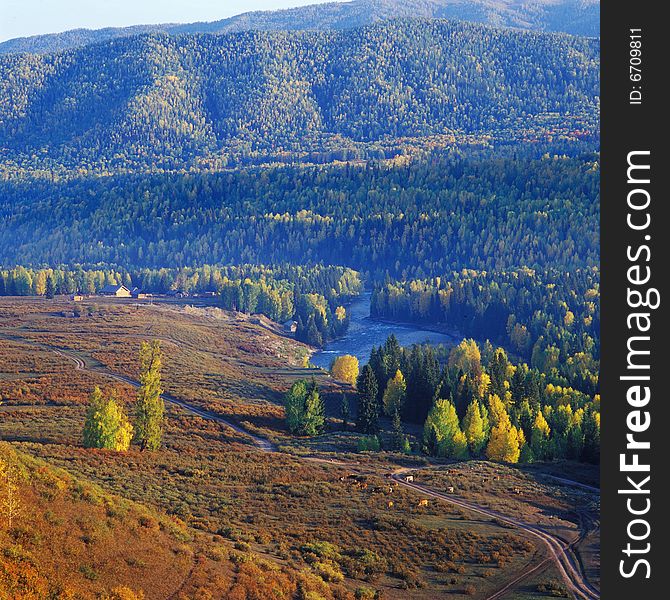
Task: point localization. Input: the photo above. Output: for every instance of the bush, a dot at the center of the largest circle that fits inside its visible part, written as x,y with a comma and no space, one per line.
328,572
369,444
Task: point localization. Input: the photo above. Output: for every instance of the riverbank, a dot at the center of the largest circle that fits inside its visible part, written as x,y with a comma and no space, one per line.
364,333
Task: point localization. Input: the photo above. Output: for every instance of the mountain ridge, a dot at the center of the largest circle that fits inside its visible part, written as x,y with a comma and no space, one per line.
576,17
171,100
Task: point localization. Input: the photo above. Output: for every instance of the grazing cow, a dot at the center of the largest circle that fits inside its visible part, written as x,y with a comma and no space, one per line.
423,502
389,504
409,478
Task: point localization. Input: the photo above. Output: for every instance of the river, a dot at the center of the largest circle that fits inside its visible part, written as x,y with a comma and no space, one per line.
364,333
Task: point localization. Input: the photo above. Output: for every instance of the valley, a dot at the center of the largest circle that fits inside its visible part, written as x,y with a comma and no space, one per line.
303,305
208,477
365,333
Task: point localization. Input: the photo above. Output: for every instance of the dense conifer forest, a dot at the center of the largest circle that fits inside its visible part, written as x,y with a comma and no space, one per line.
577,17
425,219
216,101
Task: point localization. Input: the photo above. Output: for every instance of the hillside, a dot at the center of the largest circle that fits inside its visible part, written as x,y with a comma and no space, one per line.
215,101
577,17
315,520
106,541
428,218
60,520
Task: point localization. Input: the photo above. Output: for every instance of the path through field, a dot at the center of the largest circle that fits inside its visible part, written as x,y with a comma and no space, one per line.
560,553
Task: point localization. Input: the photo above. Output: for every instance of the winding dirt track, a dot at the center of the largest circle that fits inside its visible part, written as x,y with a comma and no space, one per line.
560,553
262,443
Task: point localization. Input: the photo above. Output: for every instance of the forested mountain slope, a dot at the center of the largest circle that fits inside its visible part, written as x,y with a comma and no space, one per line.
427,219
202,100
577,17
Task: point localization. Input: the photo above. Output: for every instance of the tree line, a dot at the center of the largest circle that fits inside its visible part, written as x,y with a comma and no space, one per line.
424,219
313,296
471,402
549,318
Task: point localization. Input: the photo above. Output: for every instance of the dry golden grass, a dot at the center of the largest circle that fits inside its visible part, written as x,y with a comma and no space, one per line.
569,512
240,506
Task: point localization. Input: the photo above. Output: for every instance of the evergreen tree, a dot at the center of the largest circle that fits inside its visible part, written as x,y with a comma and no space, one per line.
398,436
498,372
591,431
539,438
150,408
368,407
345,411
575,444
50,290
314,337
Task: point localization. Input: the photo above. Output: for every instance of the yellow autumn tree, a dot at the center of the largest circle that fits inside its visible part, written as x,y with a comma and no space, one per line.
474,428
497,411
505,441
505,444
345,368
395,393
467,357
107,425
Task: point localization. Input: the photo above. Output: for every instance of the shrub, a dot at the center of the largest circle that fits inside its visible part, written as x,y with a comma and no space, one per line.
328,572
369,443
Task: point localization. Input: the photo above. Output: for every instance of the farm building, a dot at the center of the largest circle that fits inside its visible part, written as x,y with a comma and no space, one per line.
290,326
118,291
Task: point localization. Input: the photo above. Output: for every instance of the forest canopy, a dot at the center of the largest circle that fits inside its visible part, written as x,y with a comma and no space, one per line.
428,218
214,101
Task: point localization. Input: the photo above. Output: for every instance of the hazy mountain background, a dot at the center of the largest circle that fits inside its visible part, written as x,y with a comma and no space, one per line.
577,17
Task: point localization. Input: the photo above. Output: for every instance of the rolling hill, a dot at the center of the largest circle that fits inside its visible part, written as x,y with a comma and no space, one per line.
202,100
577,17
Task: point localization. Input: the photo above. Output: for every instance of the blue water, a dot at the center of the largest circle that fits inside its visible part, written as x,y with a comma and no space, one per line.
364,333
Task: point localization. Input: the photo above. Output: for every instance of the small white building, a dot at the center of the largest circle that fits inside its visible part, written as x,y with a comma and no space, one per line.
116,291
290,326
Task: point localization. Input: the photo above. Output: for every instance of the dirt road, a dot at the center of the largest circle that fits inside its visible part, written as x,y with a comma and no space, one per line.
559,552
566,563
